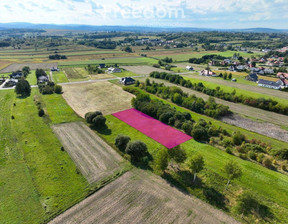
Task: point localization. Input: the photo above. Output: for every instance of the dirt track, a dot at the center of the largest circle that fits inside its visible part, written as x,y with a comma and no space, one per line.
33,66
103,96
94,158
141,197
143,70
271,117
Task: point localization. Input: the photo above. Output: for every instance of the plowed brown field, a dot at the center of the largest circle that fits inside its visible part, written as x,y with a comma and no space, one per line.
94,158
141,197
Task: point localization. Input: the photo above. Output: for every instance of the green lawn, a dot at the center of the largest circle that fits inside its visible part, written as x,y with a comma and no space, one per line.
125,74
31,78
37,179
239,92
59,77
58,110
268,186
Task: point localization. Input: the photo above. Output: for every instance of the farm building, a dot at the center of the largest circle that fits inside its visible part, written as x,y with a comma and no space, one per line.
270,84
127,81
114,70
252,77
207,73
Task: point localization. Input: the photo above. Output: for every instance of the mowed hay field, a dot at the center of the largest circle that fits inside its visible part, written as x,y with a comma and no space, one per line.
141,197
143,69
94,158
103,96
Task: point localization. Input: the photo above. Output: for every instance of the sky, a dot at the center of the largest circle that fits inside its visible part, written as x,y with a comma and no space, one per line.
217,14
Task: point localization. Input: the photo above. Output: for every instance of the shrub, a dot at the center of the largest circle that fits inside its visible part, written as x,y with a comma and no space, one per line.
121,142
91,115
47,90
267,162
281,154
229,150
238,138
199,133
137,150
187,127
58,89
252,155
99,121
41,113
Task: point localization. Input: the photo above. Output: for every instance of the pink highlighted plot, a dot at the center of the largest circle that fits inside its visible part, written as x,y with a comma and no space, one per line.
160,132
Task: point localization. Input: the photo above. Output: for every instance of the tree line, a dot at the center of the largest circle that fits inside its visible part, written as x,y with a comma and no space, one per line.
262,103
193,103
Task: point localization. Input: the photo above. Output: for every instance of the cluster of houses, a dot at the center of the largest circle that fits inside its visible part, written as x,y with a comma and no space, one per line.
279,84
273,61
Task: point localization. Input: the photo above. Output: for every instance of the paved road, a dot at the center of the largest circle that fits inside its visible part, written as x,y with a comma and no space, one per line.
263,115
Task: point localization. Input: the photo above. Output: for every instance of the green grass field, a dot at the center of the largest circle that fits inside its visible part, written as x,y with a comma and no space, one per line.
58,110
125,73
37,180
59,77
239,92
186,56
31,78
268,186
119,61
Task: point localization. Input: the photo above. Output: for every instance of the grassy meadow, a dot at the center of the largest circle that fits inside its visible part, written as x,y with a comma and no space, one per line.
38,180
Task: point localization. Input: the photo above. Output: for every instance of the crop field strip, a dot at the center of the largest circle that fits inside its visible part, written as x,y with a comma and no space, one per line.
94,158
33,66
274,118
139,197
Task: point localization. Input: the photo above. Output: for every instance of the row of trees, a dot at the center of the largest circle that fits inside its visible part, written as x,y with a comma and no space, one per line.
57,57
236,144
262,103
49,88
193,103
206,58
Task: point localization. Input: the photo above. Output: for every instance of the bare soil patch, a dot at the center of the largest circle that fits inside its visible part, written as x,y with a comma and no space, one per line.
263,128
143,70
33,66
101,76
93,157
141,197
103,96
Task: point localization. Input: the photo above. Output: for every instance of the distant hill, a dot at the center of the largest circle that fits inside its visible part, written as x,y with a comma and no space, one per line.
130,28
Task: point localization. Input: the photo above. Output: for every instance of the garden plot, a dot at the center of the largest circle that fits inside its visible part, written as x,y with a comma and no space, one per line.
94,158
